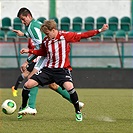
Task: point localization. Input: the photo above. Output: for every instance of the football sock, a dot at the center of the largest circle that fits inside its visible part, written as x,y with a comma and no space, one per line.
19,81
32,97
64,93
74,99
25,96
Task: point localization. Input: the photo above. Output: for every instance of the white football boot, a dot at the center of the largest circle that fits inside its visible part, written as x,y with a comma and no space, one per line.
28,110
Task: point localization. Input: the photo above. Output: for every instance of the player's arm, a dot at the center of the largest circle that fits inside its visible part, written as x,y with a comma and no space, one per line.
75,37
24,66
40,52
20,33
94,32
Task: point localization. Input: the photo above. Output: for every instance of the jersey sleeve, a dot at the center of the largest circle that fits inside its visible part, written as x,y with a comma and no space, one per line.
31,58
40,52
76,37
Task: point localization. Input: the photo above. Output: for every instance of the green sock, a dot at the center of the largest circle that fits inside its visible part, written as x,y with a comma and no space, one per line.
32,97
64,93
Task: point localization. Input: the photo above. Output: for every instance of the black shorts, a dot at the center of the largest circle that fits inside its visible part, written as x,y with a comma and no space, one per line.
50,75
30,66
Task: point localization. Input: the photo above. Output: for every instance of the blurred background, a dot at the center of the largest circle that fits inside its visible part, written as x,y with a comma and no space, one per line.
105,60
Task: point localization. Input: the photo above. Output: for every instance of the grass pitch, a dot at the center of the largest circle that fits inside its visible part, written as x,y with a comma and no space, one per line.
105,111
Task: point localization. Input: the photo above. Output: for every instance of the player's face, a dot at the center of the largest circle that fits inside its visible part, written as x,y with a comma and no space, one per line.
50,34
26,19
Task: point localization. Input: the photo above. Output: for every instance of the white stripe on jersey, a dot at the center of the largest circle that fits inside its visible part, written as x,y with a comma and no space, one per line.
63,44
37,59
57,54
50,54
39,40
36,41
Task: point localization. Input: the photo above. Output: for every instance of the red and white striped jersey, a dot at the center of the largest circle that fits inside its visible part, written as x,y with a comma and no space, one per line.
57,50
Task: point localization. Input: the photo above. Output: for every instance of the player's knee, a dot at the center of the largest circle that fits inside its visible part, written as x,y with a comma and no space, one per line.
53,86
31,83
28,85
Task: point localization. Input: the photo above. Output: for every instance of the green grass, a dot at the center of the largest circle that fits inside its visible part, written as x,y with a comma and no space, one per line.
105,111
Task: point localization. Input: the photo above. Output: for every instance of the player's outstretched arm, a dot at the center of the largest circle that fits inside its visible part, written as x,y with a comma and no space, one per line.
18,32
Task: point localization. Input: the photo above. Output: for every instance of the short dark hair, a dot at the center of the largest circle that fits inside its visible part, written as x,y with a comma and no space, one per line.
24,12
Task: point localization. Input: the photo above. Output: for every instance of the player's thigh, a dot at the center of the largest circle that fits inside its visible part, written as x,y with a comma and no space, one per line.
62,76
43,77
31,83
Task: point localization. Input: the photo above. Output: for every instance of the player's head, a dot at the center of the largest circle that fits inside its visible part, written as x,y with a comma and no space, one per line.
25,15
49,28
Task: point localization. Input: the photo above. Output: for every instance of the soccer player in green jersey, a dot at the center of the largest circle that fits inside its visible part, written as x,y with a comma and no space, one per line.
33,32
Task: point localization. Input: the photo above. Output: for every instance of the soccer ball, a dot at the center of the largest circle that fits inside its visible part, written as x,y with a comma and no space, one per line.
8,107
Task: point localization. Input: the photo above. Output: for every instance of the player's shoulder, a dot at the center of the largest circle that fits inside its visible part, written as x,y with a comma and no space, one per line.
66,33
35,23
63,32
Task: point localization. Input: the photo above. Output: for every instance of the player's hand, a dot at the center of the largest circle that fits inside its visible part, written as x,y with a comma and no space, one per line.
24,50
18,32
105,27
24,66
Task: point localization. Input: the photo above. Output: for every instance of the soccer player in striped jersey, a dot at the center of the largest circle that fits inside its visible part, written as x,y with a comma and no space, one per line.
56,48
33,32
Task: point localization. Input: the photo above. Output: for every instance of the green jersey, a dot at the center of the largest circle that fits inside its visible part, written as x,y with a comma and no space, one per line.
33,31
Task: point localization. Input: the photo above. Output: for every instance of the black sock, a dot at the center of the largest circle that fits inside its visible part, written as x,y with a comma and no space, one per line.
25,96
19,81
74,99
